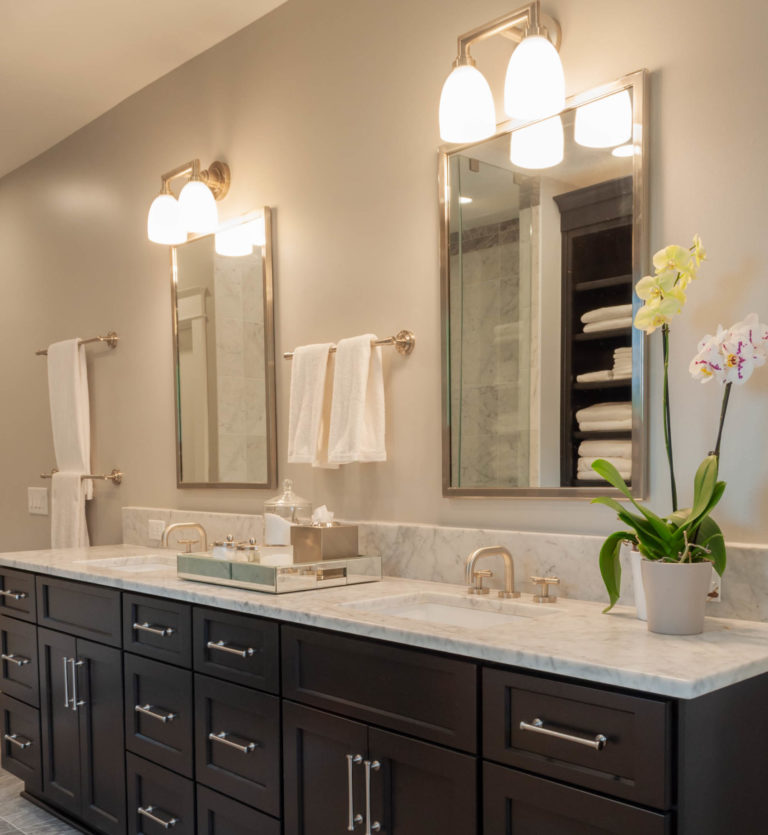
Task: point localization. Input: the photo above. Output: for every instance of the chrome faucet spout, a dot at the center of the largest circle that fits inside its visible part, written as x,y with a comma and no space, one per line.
509,567
195,526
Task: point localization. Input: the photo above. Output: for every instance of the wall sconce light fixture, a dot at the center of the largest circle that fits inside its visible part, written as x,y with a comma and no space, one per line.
169,220
534,87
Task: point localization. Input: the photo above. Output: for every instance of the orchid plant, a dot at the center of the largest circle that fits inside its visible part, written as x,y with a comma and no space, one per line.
729,356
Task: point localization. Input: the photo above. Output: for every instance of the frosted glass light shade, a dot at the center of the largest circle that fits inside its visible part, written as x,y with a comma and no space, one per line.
467,113
199,214
539,145
235,241
605,122
164,221
534,87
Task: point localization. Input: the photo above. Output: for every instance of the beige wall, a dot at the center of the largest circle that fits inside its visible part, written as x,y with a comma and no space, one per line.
328,111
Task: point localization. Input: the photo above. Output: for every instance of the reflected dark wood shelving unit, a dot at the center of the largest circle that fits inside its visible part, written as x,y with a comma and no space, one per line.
596,228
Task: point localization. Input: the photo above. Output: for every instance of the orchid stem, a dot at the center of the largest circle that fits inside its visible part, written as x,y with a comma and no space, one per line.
667,419
723,409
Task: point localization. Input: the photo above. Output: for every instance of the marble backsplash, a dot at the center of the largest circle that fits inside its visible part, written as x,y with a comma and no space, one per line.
438,553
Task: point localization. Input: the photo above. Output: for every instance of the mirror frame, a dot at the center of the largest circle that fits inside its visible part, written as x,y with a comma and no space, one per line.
269,365
638,83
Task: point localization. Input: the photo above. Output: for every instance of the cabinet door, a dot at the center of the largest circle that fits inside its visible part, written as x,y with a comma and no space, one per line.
99,685
18,660
322,772
418,787
61,763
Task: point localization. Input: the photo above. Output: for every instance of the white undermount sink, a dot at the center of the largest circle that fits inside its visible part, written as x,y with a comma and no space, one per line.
452,610
135,564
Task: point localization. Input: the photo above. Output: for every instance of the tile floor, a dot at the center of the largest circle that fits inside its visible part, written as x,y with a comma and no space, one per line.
20,817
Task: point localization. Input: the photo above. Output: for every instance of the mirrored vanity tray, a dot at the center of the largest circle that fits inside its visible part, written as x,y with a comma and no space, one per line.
279,579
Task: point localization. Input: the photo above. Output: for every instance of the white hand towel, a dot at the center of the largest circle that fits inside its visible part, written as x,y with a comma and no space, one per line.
71,425
621,464
619,311
608,325
593,476
594,376
357,410
605,425
605,411
310,404
605,449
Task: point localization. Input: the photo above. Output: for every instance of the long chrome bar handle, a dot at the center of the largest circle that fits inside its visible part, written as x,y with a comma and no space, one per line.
76,703
221,646
150,812
375,826
352,819
67,700
598,742
16,595
225,739
162,631
20,741
161,715
18,660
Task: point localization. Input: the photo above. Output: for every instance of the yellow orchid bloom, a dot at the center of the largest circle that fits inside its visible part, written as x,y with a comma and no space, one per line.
655,287
654,314
673,257
699,253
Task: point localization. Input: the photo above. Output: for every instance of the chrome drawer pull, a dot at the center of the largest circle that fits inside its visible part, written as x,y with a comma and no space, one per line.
16,595
226,739
151,813
67,700
76,703
537,726
224,647
353,819
18,660
162,631
161,715
19,741
375,826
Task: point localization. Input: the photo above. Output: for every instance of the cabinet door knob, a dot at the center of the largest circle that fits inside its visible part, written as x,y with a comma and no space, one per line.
154,713
598,742
76,703
352,819
162,631
18,660
151,813
370,826
225,738
16,595
223,646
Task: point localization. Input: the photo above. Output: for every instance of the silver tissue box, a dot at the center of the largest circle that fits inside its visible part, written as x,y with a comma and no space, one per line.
312,543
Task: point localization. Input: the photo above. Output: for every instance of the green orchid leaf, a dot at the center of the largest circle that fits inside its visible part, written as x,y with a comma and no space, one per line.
717,494
711,537
704,485
644,529
610,565
678,517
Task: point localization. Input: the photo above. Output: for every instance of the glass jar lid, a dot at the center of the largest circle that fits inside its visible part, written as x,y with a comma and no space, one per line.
288,505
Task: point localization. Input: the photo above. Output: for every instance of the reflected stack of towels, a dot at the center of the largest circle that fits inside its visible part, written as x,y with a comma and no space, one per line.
605,417
607,318
618,453
622,369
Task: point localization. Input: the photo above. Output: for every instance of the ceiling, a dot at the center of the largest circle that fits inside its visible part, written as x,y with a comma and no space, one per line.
62,64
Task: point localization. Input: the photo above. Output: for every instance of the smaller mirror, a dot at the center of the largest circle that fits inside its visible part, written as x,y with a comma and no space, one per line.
223,325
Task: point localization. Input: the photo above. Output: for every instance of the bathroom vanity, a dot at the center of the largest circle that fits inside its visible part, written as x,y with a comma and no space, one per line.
135,702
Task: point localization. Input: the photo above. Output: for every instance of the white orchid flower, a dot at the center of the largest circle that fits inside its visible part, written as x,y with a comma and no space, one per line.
730,356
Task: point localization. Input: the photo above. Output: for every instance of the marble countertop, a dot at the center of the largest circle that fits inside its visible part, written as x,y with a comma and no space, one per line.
571,638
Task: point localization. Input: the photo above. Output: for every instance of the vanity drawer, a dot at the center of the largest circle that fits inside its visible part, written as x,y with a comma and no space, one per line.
18,660
80,609
158,800
20,730
520,804
244,760
412,691
17,594
238,648
218,815
634,763
159,629
159,712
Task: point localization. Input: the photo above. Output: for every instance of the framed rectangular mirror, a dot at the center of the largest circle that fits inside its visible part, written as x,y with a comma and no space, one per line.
224,356
542,369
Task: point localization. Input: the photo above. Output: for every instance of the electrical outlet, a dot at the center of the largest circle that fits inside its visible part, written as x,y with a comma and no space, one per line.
155,528
715,594
37,500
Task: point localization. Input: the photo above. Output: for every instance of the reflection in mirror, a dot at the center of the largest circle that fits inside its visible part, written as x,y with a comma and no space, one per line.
225,369
543,371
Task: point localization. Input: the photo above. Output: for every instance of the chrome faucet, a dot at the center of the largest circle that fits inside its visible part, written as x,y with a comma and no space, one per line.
195,526
475,578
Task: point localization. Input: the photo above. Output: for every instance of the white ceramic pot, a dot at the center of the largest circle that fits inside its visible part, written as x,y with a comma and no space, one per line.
635,561
675,596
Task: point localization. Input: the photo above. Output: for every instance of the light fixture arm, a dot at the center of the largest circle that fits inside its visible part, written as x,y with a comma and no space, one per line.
527,20
216,176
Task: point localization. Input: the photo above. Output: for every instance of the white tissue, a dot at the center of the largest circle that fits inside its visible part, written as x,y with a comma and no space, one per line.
277,531
322,516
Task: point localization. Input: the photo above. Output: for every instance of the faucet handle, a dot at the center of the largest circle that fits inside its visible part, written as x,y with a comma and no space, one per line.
545,583
188,543
478,576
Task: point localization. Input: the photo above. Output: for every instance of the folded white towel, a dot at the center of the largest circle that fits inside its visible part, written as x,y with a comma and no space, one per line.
71,425
605,411
608,325
622,375
605,425
594,376
621,464
357,410
625,350
593,476
310,404
601,314
605,449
